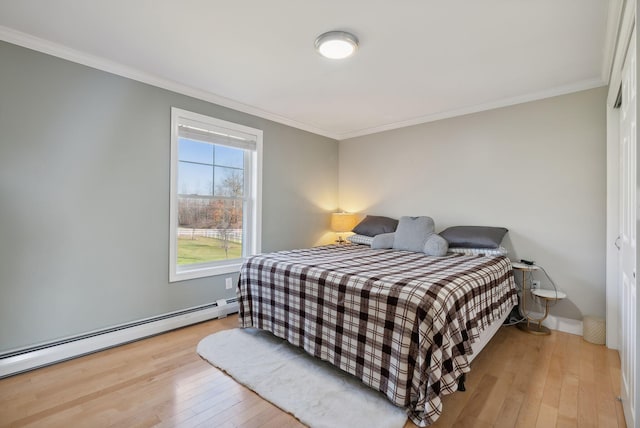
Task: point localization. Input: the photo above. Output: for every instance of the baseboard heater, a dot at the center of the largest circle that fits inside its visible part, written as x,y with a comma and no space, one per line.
33,357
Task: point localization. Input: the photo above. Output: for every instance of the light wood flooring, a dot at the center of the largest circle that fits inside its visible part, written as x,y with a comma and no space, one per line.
519,380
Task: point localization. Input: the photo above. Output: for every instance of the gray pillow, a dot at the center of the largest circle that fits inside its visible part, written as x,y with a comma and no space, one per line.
375,225
474,236
412,233
384,240
436,245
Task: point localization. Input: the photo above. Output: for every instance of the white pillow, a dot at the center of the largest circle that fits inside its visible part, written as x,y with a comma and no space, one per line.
500,251
360,239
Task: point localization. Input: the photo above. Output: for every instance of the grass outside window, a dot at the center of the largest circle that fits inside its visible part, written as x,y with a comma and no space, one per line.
200,249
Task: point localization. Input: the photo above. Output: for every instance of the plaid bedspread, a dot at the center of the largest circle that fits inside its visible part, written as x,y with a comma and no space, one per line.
402,322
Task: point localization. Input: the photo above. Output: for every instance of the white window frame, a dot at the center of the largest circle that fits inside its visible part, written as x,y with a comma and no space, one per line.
252,217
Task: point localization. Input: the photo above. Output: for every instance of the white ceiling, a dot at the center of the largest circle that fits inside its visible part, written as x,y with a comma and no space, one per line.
419,60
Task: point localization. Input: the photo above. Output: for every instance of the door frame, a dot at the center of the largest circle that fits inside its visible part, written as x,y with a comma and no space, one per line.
613,315
622,19
625,22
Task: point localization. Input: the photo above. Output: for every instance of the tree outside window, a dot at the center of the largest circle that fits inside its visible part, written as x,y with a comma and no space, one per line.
210,202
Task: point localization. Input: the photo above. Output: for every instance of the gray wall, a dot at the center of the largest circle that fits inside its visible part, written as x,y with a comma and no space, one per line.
84,197
536,168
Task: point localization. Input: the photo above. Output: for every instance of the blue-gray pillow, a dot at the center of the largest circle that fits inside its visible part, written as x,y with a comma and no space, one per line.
412,233
436,245
474,236
373,225
383,240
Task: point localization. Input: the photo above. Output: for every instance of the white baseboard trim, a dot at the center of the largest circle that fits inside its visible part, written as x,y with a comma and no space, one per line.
43,355
32,358
565,325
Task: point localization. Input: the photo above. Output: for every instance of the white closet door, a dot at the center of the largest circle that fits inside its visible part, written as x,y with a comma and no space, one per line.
628,233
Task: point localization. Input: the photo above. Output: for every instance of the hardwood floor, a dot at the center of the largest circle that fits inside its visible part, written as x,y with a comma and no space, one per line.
519,380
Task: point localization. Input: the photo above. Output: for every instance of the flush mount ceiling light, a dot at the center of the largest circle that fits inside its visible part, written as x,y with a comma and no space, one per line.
336,44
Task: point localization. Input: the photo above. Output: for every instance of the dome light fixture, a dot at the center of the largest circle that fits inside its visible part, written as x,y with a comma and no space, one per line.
336,44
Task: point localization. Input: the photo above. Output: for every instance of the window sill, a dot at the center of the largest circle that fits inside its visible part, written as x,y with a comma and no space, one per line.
186,273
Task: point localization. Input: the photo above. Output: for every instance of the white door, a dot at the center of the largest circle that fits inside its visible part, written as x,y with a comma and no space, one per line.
628,233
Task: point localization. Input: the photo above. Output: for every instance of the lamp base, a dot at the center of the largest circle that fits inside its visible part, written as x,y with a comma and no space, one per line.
533,328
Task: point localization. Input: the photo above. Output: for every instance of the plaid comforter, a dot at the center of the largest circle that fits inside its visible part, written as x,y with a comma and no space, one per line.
402,322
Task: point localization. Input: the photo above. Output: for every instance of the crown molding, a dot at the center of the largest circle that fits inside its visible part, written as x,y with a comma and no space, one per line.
51,48
45,46
506,102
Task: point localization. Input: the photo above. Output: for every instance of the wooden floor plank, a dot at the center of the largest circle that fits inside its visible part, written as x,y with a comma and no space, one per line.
509,411
568,404
519,380
547,416
587,404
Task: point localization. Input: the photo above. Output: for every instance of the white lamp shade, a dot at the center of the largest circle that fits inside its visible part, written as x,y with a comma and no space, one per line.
343,222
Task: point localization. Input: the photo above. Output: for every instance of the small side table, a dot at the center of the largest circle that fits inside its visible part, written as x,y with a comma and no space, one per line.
547,295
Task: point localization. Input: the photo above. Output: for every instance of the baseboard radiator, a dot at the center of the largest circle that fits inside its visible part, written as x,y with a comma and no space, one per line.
30,358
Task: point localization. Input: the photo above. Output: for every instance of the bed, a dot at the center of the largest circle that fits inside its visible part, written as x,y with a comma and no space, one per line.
402,322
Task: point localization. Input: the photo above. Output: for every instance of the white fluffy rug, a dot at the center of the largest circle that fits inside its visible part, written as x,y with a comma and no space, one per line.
313,391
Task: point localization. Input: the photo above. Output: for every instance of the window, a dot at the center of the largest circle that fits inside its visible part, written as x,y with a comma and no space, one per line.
215,195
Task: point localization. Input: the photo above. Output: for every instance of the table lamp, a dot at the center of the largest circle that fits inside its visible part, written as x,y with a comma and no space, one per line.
342,223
